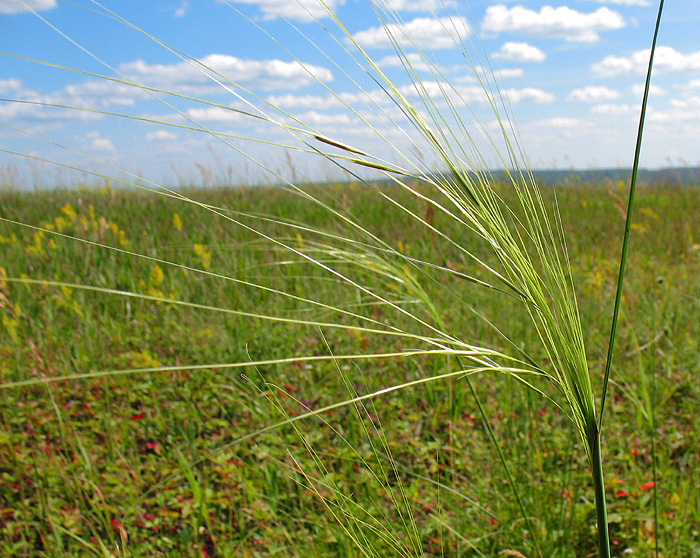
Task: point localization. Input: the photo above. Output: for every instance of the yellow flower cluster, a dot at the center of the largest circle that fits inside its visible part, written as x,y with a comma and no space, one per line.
73,223
177,222
65,300
11,311
156,279
202,255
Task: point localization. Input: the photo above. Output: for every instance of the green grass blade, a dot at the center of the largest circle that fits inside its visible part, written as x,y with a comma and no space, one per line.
594,439
628,219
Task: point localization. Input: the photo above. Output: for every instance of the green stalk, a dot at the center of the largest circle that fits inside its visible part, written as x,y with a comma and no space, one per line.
599,487
628,221
594,435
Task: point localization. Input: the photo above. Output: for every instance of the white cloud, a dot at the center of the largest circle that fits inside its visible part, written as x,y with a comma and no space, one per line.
160,135
561,128
462,96
624,2
97,94
510,72
529,95
425,32
682,115
614,109
37,106
564,123
303,101
419,5
320,102
216,114
416,61
561,22
89,94
477,74
98,143
638,90
520,52
301,10
187,78
10,85
690,102
15,6
182,9
665,59
594,94
103,144
315,118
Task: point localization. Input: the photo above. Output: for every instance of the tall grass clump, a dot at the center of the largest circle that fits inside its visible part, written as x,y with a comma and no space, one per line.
487,303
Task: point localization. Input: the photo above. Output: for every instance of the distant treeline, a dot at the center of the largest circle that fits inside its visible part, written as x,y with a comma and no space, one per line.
672,176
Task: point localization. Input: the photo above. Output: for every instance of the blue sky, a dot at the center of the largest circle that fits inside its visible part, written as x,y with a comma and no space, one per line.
572,72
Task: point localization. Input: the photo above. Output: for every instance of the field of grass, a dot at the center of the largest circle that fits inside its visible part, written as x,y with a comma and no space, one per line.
163,461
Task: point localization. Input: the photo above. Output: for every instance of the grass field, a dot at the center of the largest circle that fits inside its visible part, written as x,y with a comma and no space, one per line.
161,462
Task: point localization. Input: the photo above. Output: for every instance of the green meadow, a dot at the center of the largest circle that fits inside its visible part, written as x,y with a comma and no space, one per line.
154,437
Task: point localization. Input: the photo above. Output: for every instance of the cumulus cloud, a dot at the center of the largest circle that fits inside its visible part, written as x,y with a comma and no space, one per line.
690,102
665,59
216,114
182,9
416,61
529,95
15,6
103,144
684,114
425,32
475,94
637,90
419,5
520,52
256,74
10,85
97,94
564,123
561,22
38,106
98,143
624,2
614,109
594,94
303,101
510,72
300,10
315,118
160,135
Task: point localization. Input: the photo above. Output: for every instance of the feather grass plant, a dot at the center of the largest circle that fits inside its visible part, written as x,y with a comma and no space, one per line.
521,255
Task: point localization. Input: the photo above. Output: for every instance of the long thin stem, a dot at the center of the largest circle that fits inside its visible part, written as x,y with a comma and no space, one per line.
599,487
628,221
594,437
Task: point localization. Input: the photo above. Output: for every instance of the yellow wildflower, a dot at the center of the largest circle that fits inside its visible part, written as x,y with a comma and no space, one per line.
70,213
202,255
156,277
